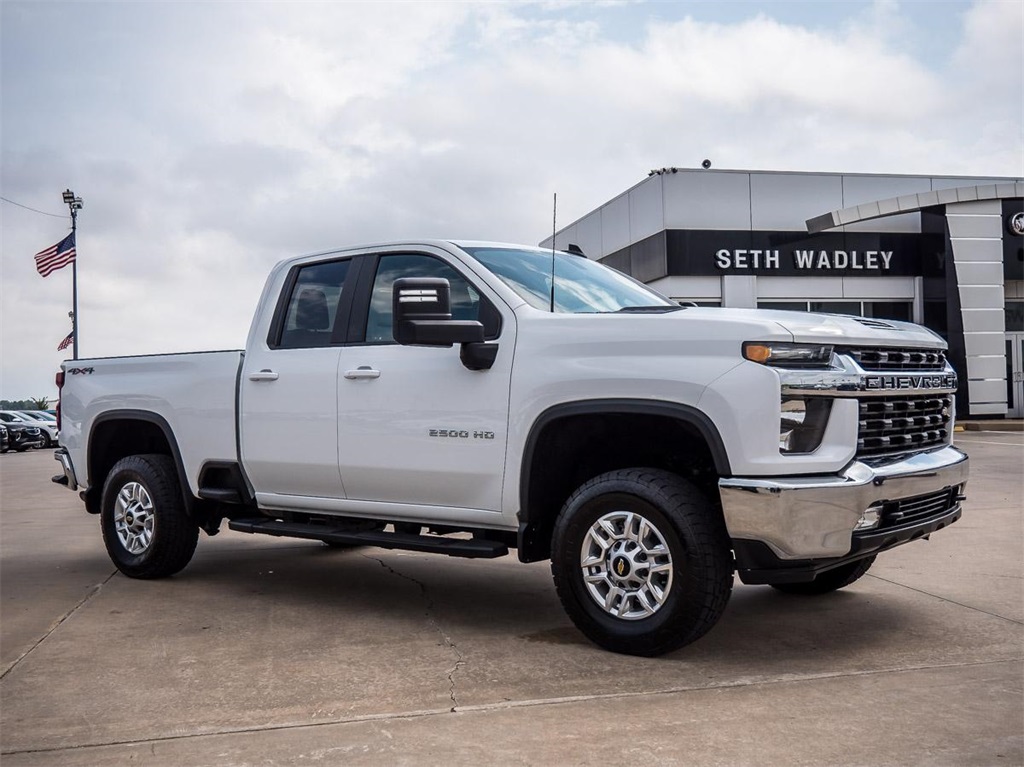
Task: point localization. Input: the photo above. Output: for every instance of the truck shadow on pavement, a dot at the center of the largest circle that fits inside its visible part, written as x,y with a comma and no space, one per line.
476,603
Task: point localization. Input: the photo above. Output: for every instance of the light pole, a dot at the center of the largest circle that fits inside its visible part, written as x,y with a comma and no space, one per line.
74,205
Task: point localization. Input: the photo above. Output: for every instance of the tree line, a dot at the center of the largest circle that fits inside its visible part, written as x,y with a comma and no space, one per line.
40,403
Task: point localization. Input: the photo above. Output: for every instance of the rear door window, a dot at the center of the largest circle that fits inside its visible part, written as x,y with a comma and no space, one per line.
312,311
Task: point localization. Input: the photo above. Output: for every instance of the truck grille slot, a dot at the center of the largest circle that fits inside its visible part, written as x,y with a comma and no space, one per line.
899,359
909,511
902,424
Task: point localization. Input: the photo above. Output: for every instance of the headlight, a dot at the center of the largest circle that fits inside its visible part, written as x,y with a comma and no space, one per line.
803,423
788,355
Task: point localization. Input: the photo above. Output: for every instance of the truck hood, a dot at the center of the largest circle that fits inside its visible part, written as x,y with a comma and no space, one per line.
836,329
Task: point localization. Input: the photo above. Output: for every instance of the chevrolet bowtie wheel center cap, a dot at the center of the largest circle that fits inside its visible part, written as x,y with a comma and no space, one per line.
626,565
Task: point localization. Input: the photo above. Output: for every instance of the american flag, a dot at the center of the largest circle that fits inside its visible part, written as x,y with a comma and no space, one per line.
57,256
67,341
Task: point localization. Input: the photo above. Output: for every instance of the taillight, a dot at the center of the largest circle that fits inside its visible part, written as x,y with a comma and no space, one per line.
59,378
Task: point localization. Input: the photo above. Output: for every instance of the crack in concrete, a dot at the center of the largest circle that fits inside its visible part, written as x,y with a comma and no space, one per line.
947,599
449,643
514,704
57,624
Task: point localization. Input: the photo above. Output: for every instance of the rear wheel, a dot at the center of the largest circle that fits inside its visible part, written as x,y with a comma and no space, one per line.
830,580
147,532
641,561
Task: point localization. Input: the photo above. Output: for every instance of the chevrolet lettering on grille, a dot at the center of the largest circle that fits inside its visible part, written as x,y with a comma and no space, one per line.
910,382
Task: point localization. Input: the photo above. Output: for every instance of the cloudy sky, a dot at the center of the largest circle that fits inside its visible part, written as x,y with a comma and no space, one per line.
211,139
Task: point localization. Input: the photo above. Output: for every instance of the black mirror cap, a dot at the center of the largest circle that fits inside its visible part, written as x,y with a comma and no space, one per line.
438,332
421,298
478,356
422,314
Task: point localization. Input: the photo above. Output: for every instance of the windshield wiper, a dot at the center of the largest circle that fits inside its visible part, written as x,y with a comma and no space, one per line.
656,309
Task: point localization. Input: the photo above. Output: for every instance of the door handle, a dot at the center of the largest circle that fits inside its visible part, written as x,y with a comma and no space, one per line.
263,375
363,371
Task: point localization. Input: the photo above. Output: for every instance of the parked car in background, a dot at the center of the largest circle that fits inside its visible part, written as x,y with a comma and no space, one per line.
22,436
48,428
5,440
38,415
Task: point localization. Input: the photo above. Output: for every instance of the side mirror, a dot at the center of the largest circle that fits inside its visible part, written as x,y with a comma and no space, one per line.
422,314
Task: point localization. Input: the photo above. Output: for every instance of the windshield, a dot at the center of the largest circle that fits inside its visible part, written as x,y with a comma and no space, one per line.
582,286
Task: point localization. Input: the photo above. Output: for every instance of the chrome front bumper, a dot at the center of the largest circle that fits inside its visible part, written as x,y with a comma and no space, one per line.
814,517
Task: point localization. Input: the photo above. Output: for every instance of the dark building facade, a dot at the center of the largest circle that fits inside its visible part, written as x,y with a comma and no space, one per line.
946,252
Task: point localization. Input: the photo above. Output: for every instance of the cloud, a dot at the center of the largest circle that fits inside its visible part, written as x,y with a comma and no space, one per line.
210,140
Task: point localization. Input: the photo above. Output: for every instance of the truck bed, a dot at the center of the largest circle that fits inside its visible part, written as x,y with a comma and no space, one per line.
194,394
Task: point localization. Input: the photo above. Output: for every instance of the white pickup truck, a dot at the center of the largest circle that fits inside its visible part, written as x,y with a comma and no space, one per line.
454,398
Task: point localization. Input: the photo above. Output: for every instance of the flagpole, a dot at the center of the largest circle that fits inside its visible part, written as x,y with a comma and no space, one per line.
74,205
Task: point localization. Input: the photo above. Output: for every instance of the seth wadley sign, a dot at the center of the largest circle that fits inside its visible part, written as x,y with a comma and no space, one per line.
810,260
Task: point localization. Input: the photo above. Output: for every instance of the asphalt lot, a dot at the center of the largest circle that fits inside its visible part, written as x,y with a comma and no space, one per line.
275,652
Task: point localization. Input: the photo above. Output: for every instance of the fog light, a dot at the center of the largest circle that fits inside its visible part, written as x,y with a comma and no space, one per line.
802,423
868,520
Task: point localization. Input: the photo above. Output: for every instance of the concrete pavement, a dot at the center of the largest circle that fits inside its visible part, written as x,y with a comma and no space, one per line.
269,651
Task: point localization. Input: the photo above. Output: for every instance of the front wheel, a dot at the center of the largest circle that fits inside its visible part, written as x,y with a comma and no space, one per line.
147,532
641,561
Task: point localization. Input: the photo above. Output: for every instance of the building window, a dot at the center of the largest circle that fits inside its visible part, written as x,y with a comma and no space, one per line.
789,306
889,310
883,310
696,302
1014,316
835,307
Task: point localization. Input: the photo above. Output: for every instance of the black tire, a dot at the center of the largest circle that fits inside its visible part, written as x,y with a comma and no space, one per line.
172,535
830,580
699,563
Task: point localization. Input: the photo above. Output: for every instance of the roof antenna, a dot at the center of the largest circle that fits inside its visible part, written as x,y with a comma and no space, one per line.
554,229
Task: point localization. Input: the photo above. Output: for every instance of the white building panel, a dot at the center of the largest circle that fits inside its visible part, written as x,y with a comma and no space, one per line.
804,288
739,292
979,250
945,182
689,287
985,344
981,296
563,238
987,391
784,202
979,273
984,319
706,200
870,190
990,366
881,288
971,226
646,209
984,408
615,225
588,232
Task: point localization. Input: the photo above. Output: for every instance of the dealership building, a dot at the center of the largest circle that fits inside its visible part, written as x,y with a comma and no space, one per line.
946,252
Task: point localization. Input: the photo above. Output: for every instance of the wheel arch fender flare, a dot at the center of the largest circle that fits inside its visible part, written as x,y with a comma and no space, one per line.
145,416
687,414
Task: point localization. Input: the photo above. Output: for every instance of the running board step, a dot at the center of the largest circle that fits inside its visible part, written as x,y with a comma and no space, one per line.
475,548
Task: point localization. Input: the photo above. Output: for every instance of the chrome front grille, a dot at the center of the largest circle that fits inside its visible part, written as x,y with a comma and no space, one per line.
903,424
898,359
